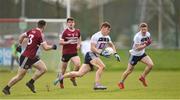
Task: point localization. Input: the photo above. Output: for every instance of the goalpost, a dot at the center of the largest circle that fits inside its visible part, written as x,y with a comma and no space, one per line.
13,27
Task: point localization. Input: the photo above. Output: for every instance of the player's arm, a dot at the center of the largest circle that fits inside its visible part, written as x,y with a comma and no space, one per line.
79,43
112,46
140,46
22,37
47,47
94,49
143,45
115,52
63,42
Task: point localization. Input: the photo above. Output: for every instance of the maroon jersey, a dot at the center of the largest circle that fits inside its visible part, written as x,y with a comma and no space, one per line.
70,35
35,38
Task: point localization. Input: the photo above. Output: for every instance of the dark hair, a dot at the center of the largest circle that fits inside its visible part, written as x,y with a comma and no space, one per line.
70,19
143,25
41,23
106,24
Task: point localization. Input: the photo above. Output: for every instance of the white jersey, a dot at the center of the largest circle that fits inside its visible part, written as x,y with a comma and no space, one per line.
85,46
100,41
139,39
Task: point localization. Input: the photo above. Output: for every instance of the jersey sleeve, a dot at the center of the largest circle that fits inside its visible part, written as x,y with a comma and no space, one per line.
94,39
148,34
136,40
110,41
62,35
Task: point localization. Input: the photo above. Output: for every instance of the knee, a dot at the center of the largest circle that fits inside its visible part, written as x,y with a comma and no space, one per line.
19,77
150,65
80,74
44,70
77,65
102,67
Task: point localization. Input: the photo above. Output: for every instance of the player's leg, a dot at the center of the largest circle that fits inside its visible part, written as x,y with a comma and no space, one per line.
132,62
21,73
100,65
146,60
77,63
40,70
63,66
125,74
62,72
85,68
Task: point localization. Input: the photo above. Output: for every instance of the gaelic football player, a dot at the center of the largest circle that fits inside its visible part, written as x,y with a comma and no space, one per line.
70,39
141,40
28,57
99,41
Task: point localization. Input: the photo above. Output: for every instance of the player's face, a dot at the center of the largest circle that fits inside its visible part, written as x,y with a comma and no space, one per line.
144,30
71,24
106,30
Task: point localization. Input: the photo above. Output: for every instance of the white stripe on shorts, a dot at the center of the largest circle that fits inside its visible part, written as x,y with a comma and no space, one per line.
24,62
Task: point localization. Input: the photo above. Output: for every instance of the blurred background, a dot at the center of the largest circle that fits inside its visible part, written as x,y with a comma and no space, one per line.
162,16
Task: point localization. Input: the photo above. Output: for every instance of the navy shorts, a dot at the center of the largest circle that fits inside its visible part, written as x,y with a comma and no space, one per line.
88,57
26,62
133,60
67,57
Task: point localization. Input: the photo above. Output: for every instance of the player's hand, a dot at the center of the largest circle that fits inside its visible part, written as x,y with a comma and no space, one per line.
148,42
78,46
54,47
19,48
105,53
118,58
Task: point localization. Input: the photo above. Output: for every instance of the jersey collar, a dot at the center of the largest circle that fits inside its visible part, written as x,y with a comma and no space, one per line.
71,29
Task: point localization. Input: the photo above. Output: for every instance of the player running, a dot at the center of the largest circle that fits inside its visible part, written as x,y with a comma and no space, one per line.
99,41
141,40
70,39
28,57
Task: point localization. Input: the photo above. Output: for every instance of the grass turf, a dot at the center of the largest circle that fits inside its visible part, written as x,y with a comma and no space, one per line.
162,85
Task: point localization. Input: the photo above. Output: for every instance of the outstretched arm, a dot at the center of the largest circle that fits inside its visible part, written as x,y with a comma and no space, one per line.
47,47
22,37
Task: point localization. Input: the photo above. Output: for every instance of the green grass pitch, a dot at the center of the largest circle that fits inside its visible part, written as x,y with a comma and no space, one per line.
163,81
162,85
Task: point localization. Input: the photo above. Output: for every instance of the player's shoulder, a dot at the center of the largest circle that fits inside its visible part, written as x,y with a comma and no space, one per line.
148,33
137,34
78,30
97,34
65,30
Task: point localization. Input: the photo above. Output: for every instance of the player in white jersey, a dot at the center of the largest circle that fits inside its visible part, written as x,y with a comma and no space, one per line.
98,42
141,40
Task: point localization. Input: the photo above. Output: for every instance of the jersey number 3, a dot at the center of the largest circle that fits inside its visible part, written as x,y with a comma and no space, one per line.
30,39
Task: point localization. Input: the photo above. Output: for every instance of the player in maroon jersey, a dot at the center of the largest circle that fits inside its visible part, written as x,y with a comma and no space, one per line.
28,57
70,39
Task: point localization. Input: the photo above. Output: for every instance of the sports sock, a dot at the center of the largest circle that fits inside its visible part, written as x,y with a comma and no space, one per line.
97,84
121,81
